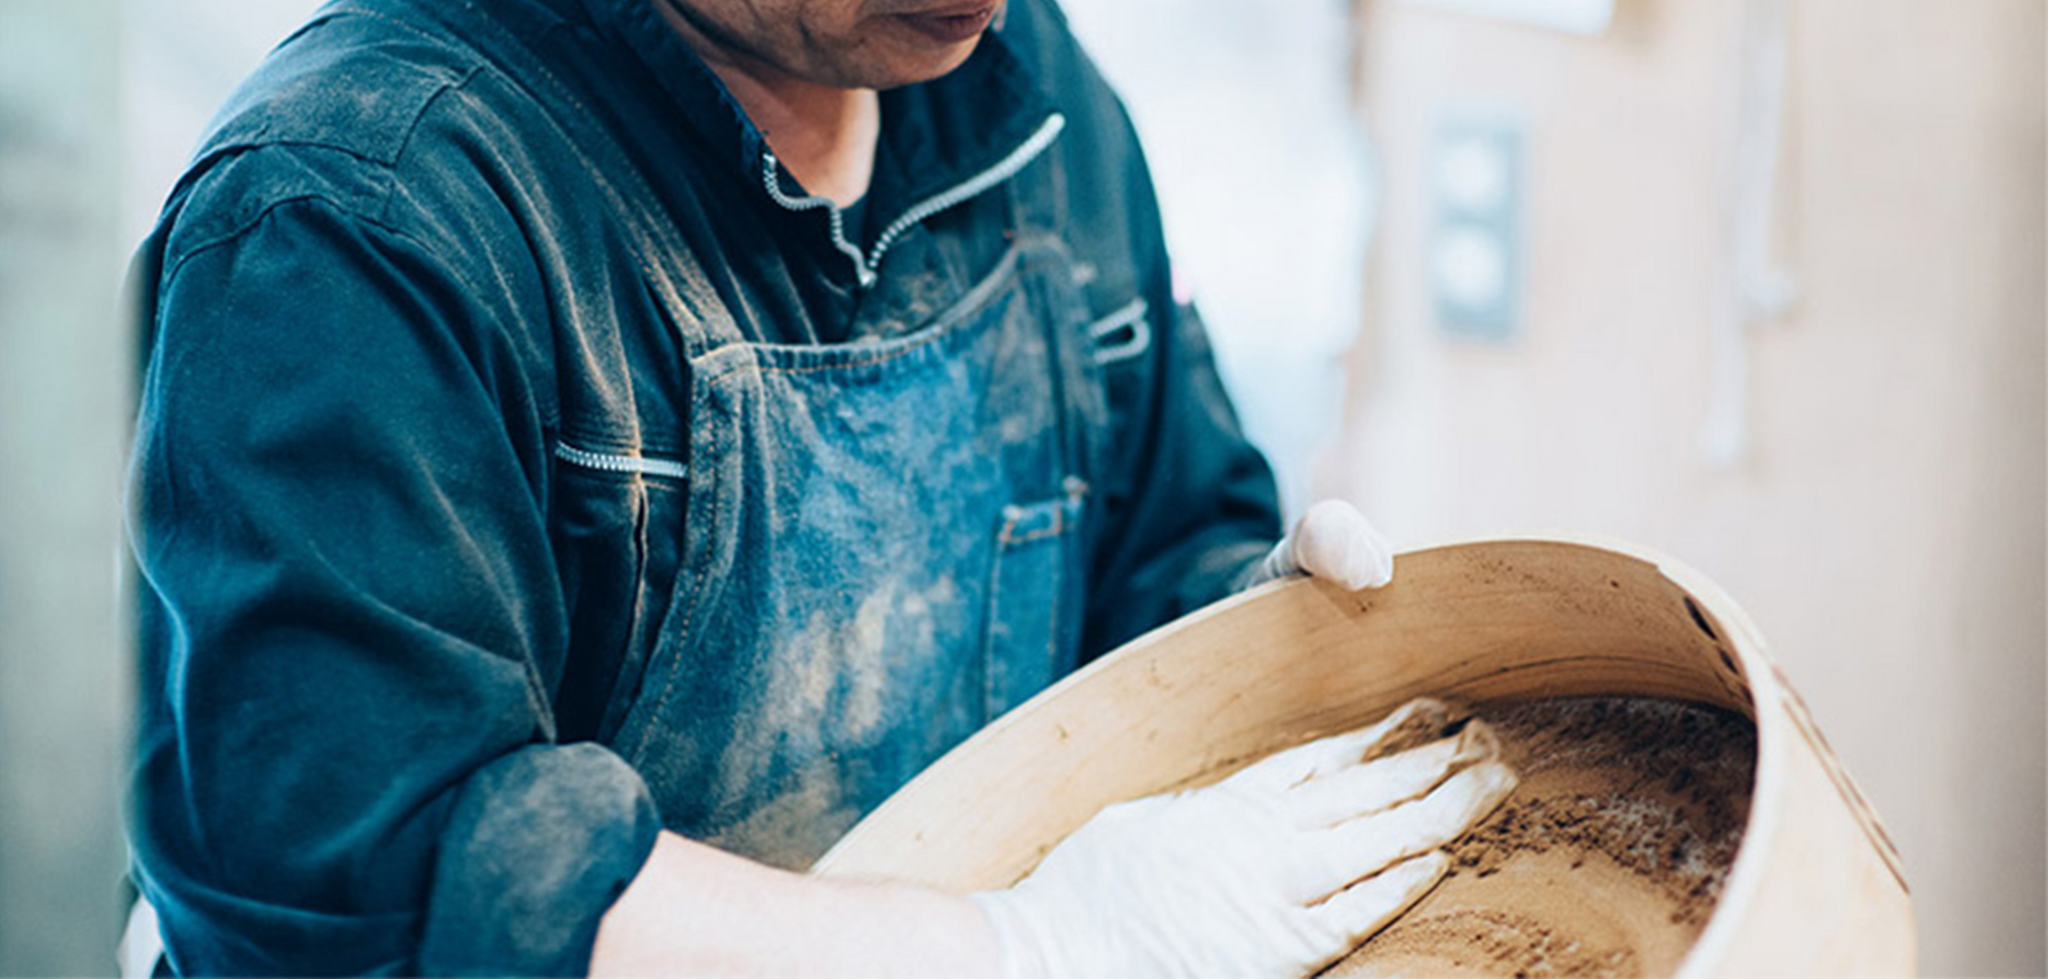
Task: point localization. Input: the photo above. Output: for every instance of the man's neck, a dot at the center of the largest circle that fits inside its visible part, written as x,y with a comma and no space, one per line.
825,135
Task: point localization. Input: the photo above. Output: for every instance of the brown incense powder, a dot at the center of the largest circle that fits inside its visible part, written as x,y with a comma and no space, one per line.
1606,861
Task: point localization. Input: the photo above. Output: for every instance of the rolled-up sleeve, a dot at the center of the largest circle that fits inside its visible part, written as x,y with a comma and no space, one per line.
351,617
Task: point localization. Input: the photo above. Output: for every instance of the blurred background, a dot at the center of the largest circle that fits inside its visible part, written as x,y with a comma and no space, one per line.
1757,283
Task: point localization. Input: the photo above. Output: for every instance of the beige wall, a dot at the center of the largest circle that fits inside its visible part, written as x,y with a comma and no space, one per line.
1886,528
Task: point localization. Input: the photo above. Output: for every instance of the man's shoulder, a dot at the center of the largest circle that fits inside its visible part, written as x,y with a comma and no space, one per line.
352,80
328,116
1039,33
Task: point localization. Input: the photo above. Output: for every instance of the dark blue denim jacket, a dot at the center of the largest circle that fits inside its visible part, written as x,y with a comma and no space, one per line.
422,290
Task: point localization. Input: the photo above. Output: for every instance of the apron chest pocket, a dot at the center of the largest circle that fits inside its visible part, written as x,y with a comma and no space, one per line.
1034,598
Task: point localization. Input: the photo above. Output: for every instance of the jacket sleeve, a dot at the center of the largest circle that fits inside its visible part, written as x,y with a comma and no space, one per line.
1193,505
1189,505
346,759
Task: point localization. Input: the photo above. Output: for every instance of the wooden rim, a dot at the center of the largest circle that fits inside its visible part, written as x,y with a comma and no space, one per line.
1501,619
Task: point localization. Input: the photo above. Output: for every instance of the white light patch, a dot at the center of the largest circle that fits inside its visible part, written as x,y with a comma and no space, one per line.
1570,16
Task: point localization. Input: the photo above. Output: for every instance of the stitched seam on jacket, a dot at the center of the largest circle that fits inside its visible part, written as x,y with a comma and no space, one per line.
378,215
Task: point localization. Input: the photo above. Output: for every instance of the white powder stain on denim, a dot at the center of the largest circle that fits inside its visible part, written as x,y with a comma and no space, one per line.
1020,427
840,676
861,709
794,828
828,692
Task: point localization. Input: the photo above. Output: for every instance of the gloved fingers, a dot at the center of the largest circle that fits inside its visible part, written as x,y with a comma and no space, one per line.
1334,858
1358,912
1024,945
1416,721
1386,782
1335,542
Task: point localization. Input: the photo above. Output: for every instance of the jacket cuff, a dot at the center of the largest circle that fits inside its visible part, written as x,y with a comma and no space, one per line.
538,846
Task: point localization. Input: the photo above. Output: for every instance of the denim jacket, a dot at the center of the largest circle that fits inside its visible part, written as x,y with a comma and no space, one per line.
427,321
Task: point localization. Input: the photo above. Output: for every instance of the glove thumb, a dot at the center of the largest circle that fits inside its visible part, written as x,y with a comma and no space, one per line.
1335,542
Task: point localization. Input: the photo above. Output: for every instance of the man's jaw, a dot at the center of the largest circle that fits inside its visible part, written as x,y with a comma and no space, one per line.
950,23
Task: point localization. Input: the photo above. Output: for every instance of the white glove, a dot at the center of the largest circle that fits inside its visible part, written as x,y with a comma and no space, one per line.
1332,541
1280,869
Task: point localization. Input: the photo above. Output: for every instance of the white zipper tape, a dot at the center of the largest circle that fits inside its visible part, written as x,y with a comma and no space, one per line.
620,462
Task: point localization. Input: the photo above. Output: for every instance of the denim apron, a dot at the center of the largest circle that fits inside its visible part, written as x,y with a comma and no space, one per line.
884,550
883,543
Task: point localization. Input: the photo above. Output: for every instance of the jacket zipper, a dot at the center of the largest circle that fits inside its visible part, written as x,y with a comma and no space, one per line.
620,463
771,178
865,266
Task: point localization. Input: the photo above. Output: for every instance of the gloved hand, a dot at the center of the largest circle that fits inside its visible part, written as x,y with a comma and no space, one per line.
1332,541
1279,869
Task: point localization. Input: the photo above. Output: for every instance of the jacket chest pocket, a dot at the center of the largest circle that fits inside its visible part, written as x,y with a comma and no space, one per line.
616,521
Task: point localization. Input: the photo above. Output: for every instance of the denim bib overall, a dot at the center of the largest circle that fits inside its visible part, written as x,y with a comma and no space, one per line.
885,551
884,542
882,547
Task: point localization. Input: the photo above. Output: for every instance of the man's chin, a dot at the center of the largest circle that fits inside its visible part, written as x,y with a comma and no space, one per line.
911,71
920,44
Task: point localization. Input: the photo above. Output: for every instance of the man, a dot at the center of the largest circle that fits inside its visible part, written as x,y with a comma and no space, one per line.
591,446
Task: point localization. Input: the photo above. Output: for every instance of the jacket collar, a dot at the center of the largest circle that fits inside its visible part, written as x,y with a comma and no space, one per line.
941,136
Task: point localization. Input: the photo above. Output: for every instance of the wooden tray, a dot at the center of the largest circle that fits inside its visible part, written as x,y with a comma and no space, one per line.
1816,888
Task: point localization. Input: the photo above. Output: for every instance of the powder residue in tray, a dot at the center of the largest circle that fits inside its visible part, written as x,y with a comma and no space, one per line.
1607,860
